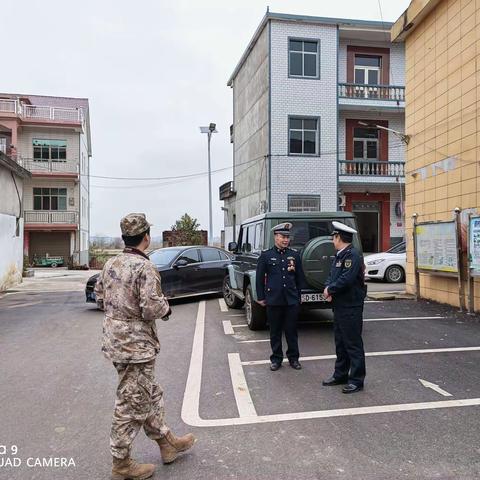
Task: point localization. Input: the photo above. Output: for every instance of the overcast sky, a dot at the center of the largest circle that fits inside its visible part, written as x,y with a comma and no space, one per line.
154,71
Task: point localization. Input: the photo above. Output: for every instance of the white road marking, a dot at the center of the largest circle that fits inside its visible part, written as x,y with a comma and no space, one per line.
237,315
191,398
240,326
223,305
390,319
24,305
254,341
227,327
435,388
240,388
379,354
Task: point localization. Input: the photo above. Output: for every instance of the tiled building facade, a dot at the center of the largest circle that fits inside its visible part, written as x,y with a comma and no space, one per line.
298,98
50,137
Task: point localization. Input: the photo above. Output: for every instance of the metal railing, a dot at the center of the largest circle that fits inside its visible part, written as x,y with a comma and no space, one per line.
371,169
42,112
48,166
49,217
371,92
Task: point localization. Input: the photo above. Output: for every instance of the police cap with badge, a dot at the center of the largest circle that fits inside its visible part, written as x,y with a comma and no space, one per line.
282,229
346,233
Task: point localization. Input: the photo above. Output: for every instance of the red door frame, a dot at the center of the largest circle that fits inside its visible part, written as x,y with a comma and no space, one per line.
384,200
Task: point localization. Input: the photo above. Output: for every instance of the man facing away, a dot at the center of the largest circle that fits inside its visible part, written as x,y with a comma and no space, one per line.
345,286
129,291
279,279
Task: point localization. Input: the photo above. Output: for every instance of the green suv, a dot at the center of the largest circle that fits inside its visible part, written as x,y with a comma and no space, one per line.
310,235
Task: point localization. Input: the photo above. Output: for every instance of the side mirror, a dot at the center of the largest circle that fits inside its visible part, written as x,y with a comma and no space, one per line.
180,263
232,247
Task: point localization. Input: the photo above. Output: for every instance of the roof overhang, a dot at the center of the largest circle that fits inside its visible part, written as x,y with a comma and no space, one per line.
411,18
13,166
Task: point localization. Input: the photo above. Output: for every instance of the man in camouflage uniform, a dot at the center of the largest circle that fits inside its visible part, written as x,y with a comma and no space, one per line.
129,291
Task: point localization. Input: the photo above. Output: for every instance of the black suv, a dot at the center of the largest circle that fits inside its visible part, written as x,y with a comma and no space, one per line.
310,236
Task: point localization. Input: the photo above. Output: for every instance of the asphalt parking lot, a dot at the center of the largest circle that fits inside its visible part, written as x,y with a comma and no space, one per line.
417,418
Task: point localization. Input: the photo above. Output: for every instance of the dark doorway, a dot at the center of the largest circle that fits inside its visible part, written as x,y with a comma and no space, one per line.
368,228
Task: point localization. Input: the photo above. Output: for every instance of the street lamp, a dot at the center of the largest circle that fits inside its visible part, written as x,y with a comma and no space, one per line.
209,130
403,136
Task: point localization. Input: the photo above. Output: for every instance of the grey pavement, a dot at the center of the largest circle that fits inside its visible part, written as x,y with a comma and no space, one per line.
58,391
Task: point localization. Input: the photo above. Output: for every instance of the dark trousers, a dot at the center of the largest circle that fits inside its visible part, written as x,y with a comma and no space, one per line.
283,318
350,363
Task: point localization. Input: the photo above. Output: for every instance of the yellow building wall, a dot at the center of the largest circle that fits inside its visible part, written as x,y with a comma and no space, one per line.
442,106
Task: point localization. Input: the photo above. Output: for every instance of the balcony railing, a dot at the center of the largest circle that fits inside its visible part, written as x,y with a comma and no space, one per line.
42,112
51,217
371,92
371,169
48,166
226,190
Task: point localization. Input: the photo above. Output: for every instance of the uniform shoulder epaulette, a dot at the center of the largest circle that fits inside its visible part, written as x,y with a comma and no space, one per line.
293,249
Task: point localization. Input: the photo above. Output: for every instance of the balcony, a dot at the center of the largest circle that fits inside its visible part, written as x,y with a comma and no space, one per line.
41,113
50,217
360,171
359,96
49,167
226,191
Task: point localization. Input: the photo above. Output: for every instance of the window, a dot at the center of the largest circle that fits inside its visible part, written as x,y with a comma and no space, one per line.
248,235
191,256
210,255
224,256
367,69
304,203
303,136
303,58
399,248
258,244
49,198
55,150
365,144
163,256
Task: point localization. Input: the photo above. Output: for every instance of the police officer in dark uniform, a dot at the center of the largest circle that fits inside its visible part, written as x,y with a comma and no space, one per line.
278,282
345,287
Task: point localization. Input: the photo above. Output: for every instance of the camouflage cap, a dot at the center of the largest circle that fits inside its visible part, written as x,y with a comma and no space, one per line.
134,224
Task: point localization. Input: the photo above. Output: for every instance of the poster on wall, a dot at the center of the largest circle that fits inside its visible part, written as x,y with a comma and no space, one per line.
474,246
436,247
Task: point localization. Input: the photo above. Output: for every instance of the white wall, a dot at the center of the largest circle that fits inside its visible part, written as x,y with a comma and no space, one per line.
11,251
309,97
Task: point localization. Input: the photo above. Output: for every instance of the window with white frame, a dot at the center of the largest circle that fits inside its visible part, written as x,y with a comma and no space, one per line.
304,203
367,69
365,144
303,136
303,58
46,149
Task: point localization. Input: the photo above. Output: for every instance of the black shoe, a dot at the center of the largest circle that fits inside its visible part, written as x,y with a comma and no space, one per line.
296,364
334,381
351,388
274,366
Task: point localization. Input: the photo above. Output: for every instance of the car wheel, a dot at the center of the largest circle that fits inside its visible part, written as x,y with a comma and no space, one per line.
230,298
395,274
53,265
256,315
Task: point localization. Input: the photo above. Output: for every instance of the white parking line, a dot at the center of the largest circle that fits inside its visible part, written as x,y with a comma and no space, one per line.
378,354
240,326
191,398
254,341
240,389
23,305
223,305
391,319
227,327
237,315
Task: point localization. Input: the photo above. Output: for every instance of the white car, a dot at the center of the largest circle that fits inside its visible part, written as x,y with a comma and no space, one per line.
388,266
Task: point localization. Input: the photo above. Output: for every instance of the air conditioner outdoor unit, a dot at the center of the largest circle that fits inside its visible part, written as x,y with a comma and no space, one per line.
342,200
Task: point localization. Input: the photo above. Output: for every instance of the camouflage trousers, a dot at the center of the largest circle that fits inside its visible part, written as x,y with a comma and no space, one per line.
139,403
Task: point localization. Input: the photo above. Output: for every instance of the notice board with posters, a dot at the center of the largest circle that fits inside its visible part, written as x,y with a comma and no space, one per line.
436,247
474,246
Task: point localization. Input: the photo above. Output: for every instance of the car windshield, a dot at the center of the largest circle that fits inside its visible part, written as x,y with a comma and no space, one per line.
164,256
399,248
304,230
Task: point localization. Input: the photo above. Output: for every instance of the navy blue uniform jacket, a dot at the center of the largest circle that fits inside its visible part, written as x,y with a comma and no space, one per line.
346,282
280,277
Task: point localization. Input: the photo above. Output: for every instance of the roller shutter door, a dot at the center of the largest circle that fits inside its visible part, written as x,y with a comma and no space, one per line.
53,243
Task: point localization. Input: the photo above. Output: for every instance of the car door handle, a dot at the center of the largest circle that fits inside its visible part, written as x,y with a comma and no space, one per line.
197,269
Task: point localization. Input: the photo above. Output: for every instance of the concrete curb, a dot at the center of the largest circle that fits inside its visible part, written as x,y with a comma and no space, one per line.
390,296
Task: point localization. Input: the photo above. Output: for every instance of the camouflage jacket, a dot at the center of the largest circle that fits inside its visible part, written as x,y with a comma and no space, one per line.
129,291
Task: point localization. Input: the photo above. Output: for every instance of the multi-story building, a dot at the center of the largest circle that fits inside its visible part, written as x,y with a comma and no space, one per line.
316,104
50,137
441,40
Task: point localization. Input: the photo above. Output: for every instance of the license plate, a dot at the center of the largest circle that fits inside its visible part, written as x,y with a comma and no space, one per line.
313,297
